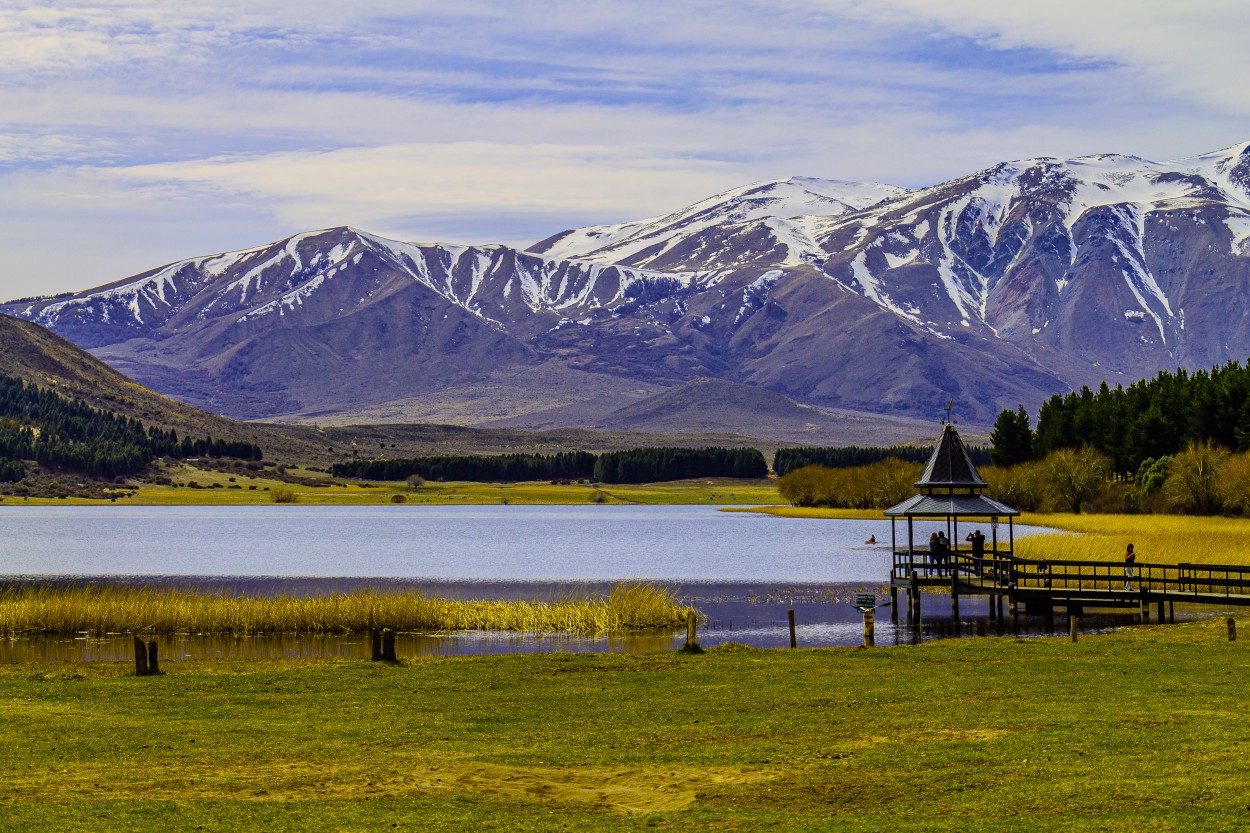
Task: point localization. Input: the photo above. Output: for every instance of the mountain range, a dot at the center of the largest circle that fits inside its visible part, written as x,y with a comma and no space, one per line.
1001,287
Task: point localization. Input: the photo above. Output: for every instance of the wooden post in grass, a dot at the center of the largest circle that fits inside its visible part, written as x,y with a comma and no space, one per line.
692,635
794,641
375,644
870,628
154,667
141,658
1232,629
1072,628
388,646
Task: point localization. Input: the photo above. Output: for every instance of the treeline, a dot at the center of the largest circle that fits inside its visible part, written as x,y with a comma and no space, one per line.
62,433
639,465
787,460
507,468
648,465
1149,419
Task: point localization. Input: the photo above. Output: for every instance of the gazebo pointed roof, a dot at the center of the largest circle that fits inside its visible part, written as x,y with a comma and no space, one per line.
950,486
950,467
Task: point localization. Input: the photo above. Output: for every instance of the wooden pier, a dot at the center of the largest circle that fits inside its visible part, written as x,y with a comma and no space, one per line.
1044,586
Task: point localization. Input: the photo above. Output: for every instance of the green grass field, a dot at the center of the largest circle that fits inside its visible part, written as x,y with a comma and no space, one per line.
215,488
1140,730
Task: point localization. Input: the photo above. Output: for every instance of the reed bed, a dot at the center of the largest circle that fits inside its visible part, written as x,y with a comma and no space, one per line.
121,609
1157,539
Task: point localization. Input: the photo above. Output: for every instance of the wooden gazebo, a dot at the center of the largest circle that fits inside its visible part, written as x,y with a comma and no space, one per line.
950,490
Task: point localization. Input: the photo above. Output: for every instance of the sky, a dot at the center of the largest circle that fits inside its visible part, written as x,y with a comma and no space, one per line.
138,132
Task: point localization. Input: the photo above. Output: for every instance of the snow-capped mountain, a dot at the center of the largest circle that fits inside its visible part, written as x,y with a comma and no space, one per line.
1001,287
764,219
1120,263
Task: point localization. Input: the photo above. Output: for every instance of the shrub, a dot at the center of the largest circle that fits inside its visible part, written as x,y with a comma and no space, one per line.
1073,476
1193,482
398,499
283,495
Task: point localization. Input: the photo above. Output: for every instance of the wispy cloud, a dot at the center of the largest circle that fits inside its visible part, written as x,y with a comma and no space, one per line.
145,125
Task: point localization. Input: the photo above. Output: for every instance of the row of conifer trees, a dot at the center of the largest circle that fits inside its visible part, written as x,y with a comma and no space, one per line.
62,433
1148,419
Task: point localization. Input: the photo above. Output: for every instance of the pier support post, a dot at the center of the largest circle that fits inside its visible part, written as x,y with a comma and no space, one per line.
375,645
154,666
794,640
1145,608
893,604
913,608
1161,612
954,599
1072,628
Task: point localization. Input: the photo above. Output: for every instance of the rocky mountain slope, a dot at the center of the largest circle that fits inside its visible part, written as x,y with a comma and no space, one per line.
31,352
1025,279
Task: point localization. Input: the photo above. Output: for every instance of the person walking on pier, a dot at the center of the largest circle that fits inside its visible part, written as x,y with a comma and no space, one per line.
1130,558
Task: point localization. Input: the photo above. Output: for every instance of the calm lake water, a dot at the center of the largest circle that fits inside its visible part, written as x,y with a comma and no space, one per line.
744,571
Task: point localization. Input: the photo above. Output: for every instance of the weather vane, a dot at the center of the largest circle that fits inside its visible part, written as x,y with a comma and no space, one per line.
948,420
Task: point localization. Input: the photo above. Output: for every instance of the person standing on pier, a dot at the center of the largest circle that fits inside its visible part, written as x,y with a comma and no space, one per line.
978,544
1130,558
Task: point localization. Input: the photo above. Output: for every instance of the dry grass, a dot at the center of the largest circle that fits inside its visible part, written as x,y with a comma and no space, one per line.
120,609
1158,539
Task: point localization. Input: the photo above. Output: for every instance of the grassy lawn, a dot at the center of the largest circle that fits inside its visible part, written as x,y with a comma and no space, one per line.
1136,730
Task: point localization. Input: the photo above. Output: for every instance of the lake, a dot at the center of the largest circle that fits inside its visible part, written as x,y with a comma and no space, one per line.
743,570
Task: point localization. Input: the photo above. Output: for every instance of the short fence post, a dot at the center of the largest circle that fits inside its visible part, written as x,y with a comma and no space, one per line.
870,629
153,665
794,641
375,644
1232,629
1072,628
141,658
692,630
388,645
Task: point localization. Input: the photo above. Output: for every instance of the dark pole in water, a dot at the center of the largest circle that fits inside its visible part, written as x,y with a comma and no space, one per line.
141,658
388,645
794,642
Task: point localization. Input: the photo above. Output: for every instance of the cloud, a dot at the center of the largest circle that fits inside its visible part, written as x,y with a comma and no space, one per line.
152,119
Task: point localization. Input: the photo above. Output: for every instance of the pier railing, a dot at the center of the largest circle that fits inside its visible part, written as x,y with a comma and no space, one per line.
1001,571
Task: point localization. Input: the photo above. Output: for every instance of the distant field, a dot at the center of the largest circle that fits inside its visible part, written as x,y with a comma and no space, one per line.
1157,539
216,488
1139,730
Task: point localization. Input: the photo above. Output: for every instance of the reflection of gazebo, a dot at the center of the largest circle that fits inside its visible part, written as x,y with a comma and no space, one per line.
950,489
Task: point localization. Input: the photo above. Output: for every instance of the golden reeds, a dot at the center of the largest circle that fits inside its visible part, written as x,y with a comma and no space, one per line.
120,609
1157,539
